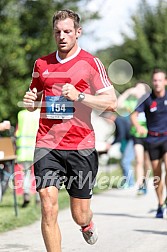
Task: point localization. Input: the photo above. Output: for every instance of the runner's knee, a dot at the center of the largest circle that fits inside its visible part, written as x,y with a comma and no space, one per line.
49,204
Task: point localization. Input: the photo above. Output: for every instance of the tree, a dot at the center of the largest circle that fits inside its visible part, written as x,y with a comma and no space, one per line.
38,37
147,48
25,35
12,65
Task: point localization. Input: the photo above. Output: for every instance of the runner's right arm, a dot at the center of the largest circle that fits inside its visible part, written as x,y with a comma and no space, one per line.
32,99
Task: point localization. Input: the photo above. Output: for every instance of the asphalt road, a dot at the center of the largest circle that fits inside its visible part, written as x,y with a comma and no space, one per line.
125,222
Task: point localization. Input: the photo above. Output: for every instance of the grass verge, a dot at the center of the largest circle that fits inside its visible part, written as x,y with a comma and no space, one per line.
26,216
107,180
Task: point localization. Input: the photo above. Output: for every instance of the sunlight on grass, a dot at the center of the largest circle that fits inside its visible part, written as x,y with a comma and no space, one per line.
32,212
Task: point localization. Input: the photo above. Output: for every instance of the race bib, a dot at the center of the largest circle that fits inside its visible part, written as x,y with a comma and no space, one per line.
58,107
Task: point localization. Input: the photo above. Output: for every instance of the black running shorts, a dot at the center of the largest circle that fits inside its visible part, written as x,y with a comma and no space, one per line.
141,141
157,150
77,169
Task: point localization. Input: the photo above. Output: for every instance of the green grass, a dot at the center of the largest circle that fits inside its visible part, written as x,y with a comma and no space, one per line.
26,216
107,180
8,220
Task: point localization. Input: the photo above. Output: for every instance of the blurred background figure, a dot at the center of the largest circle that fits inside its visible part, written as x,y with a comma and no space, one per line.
122,136
5,125
101,136
155,108
128,101
27,127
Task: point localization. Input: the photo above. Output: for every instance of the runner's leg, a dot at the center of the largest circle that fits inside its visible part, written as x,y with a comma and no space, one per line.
158,183
49,224
165,161
139,155
147,164
81,212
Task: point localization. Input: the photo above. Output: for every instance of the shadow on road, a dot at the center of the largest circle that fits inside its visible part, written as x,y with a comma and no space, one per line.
124,215
151,231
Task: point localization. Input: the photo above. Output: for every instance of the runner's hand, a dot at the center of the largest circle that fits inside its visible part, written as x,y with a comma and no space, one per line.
29,99
141,130
70,92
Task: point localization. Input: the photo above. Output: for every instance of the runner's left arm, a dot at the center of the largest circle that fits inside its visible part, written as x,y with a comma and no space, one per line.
105,101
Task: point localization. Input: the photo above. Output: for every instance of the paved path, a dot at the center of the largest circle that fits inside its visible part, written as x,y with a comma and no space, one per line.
125,222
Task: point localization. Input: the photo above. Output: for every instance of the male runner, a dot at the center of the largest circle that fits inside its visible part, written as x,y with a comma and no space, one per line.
155,108
70,82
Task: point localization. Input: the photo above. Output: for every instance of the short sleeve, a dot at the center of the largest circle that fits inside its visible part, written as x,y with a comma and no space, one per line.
141,107
36,80
141,104
99,78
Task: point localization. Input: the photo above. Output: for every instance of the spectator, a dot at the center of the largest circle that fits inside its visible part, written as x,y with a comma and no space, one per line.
5,125
25,144
122,136
128,101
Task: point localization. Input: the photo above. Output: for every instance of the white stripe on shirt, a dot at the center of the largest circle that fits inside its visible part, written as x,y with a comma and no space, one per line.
104,89
102,73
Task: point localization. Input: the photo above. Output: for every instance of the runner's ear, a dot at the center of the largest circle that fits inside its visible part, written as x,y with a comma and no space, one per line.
78,32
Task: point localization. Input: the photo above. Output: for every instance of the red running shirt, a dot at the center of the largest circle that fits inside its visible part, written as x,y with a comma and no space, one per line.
88,75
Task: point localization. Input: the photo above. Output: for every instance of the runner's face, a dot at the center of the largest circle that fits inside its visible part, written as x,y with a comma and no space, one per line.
159,82
66,35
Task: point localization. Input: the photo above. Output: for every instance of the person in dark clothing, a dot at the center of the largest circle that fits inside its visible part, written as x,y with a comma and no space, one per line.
155,108
122,136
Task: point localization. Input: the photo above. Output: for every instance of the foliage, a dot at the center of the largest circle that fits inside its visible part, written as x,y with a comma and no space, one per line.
12,65
147,48
25,35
